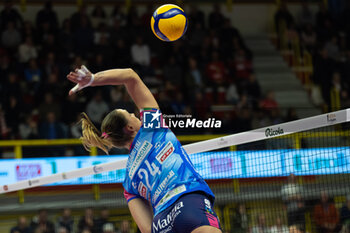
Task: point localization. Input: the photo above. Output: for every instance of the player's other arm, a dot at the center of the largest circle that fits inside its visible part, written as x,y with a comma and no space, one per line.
137,90
142,213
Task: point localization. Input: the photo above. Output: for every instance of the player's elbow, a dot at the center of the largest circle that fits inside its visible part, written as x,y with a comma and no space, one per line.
133,76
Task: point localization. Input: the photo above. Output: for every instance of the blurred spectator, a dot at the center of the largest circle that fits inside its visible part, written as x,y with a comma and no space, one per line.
260,119
196,34
125,227
296,229
22,226
232,95
283,16
80,19
178,104
227,35
261,226
87,222
117,15
29,128
252,88
141,55
6,66
241,66
41,221
322,16
308,36
52,128
62,230
216,18
108,228
345,215
74,106
29,31
98,16
27,51
33,75
292,196
83,37
193,78
172,72
269,102
101,34
12,114
279,227
124,56
66,220
201,105
49,106
11,37
244,102
47,16
305,16
4,130
75,127
66,39
103,220
323,69
291,115
216,70
10,14
51,64
240,219
332,48
275,116
326,216
97,108
196,17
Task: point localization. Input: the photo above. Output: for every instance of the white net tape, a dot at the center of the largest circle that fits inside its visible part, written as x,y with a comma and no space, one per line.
208,145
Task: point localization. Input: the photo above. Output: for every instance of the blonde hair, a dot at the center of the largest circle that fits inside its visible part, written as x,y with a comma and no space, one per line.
92,136
113,134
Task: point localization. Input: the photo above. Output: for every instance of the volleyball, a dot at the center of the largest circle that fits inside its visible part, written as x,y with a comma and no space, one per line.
169,22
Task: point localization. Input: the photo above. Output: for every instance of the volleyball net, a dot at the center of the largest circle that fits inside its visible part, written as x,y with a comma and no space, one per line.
248,173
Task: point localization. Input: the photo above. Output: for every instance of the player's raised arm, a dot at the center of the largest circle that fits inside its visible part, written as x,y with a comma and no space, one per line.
138,91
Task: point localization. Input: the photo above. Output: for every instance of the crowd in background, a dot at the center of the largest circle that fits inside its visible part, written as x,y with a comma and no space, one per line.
325,216
210,66
66,223
326,36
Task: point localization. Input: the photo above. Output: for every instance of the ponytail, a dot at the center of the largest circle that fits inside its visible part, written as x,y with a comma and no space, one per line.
113,132
92,136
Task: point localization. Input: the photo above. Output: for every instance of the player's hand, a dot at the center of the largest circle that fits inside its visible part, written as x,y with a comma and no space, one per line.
82,77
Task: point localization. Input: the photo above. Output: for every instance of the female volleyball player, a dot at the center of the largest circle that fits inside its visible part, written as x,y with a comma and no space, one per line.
163,190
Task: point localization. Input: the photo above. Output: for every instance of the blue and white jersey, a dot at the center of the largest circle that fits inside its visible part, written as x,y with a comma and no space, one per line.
159,169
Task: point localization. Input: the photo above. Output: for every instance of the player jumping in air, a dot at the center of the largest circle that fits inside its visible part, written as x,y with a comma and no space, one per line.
164,192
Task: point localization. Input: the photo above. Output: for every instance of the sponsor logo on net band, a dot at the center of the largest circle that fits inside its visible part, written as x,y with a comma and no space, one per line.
141,154
97,169
33,182
331,118
271,132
